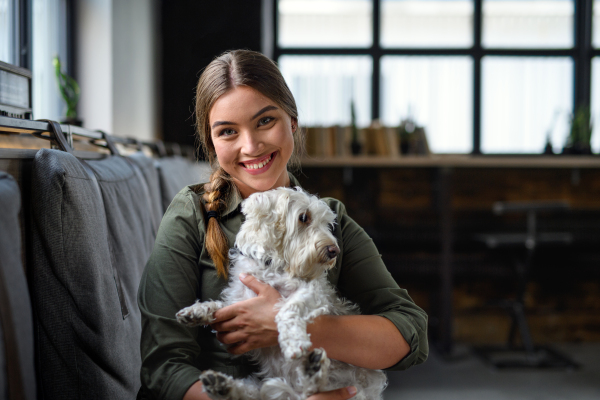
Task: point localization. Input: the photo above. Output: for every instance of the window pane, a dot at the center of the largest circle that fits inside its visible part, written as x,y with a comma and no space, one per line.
525,100
8,32
595,104
430,23
49,39
325,23
596,24
527,23
437,92
324,86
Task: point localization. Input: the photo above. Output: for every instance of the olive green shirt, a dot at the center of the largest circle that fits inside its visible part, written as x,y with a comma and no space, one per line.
180,271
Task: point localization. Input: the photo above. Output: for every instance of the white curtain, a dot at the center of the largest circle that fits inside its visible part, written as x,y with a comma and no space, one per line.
324,87
436,92
524,100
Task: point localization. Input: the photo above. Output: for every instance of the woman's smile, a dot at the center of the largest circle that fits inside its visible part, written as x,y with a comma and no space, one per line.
259,165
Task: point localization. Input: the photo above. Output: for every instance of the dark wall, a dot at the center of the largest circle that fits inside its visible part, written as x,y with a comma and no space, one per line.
194,32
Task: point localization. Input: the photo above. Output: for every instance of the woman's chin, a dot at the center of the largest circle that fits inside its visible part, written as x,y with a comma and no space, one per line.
255,184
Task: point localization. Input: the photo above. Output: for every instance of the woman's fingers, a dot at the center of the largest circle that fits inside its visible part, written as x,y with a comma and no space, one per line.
254,284
226,313
253,319
338,394
240,348
231,337
226,326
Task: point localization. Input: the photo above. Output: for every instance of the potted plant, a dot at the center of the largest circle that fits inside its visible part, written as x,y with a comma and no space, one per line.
406,136
580,134
69,90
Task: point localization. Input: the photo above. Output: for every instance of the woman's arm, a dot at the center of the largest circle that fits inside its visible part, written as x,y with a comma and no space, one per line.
367,341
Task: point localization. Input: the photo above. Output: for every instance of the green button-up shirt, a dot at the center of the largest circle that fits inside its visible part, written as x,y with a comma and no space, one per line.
180,271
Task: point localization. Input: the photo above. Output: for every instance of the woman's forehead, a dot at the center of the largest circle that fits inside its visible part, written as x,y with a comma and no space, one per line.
240,102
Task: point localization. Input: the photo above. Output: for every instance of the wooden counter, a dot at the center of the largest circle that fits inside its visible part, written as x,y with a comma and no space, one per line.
458,161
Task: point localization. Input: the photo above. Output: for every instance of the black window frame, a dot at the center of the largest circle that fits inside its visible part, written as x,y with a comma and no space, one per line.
581,53
24,39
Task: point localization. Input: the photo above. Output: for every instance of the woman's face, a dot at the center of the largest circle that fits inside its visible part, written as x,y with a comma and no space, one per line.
253,139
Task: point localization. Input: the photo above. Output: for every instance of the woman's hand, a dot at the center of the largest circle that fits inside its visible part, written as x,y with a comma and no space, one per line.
338,394
249,324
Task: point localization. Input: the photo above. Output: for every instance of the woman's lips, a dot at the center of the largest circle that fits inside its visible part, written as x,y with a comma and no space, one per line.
264,168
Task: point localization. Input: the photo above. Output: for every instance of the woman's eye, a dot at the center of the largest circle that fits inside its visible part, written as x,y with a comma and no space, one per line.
226,132
265,121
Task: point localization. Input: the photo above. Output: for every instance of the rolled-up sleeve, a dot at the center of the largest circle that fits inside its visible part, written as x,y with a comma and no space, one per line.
170,350
365,280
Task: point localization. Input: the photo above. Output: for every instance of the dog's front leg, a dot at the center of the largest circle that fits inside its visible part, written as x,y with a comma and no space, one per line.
291,324
199,313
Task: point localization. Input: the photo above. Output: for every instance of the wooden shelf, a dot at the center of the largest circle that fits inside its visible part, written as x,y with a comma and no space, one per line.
457,161
18,126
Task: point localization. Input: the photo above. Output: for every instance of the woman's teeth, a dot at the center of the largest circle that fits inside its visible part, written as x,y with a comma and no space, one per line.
259,165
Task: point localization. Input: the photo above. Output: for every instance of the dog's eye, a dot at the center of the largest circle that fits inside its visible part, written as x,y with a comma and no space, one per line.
303,218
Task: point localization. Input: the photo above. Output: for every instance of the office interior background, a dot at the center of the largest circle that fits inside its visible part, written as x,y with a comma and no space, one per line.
495,81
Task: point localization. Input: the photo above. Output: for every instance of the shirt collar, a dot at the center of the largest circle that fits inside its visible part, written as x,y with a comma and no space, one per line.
235,199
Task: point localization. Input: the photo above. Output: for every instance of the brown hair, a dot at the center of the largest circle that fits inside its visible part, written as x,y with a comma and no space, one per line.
224,73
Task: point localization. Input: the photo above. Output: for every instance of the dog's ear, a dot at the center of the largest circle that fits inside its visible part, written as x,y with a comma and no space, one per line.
262,232
267,205
281,202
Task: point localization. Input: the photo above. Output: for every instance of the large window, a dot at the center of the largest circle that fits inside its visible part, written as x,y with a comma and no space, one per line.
49,39
482,76
32,33
9,31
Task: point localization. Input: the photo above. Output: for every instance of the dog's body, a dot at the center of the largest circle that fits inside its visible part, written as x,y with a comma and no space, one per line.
286,242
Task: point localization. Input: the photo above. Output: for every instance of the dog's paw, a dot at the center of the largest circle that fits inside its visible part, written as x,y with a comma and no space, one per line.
296,350
194,315
216,384
316,362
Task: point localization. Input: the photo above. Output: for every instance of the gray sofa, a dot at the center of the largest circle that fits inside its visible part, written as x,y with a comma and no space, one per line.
89,226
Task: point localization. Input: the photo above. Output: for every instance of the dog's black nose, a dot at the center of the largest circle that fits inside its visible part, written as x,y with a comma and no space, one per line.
332,251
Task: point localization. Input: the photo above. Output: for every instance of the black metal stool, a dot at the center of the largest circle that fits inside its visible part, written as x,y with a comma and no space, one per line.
528,355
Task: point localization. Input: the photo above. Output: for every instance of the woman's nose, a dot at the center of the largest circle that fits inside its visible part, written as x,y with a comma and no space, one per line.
252,144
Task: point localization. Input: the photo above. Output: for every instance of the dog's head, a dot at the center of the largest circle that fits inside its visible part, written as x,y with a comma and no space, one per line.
290,228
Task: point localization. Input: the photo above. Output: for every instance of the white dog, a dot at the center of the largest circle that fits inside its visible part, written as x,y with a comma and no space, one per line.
286,241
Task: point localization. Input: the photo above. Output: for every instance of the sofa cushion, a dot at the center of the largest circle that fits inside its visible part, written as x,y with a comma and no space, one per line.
16,325
92,233
149,170
176,173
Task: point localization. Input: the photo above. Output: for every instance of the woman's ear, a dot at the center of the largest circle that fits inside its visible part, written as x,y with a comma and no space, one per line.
294,124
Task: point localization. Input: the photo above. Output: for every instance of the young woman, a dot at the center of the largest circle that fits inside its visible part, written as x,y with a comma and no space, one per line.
248,126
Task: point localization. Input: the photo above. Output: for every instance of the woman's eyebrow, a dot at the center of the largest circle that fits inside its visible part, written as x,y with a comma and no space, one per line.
222,123
265,109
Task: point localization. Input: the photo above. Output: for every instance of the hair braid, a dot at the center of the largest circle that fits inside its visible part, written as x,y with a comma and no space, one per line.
217,244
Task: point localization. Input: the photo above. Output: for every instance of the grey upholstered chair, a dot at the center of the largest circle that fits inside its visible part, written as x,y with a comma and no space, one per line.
92,232
149,171
17,372
176,173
